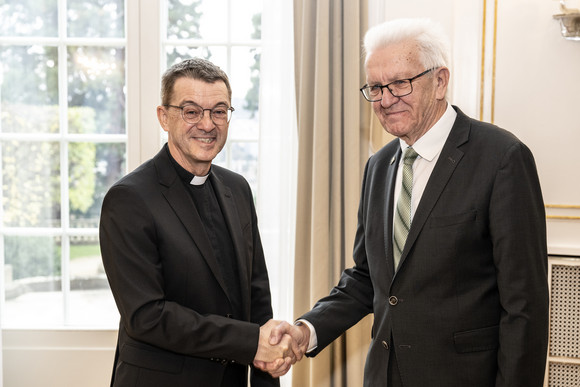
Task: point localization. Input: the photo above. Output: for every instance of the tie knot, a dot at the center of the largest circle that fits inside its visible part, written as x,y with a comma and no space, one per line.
410,156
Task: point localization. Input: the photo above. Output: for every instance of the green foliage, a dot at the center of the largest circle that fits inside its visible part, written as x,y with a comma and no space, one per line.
184,23
30,75
257,24
84,250
82,156
31,178
97,18
183,19
96,80
81,176
253,94
21,18
32,256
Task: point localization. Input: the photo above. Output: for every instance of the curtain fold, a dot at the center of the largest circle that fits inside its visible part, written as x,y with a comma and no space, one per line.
333,146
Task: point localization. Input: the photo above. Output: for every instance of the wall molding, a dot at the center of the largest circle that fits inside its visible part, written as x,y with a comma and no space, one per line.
562,211
488,65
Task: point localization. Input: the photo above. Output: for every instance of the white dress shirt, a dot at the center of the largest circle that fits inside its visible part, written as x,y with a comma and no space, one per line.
429,148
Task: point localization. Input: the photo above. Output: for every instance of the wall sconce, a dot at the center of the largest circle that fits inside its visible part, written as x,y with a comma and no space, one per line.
569,22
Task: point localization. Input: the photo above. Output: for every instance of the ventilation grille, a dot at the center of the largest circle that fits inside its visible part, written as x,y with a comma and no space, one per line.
565,316
564,375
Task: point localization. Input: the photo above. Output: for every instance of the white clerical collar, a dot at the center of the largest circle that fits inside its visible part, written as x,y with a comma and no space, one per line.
199,180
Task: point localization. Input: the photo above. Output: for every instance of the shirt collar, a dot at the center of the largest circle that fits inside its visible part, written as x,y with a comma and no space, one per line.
199,180
431,143
185,175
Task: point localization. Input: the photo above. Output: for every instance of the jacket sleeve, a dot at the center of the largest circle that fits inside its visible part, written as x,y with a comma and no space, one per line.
518,233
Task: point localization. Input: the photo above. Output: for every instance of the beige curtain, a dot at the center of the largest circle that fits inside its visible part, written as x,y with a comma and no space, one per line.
334,141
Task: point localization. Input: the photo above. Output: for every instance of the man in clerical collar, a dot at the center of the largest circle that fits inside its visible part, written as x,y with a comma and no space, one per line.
182,251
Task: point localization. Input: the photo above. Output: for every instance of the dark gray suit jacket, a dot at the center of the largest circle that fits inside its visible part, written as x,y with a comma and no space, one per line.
469,303
176,326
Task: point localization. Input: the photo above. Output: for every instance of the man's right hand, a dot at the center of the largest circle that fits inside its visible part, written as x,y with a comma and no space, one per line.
292,339
279,352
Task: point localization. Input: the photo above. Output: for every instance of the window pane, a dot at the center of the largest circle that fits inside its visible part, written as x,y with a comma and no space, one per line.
217,55
31,184
32,281
29,93
222,157
97,81
96,18
247,16
196,19
28,18
244,160
93,168
213,20
91,300
245,80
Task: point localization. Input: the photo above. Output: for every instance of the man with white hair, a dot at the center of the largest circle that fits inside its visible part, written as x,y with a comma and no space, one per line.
450,250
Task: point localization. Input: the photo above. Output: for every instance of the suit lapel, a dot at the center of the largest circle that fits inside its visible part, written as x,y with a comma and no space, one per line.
448,160
232,218
182,204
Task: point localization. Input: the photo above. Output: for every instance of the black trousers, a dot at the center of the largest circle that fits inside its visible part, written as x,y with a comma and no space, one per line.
236,375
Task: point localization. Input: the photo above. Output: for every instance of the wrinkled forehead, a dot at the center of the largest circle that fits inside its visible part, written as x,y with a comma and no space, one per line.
191,90
394,61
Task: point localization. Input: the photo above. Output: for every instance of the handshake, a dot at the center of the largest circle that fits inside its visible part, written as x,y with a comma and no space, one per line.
280,346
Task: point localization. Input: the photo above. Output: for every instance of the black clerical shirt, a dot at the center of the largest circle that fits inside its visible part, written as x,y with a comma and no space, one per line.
208,207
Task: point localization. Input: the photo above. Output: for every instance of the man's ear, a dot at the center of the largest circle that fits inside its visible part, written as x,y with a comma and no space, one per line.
442,77
162,117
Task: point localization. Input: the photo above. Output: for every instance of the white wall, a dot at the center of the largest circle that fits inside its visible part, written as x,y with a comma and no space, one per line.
58,358
511,67
538,98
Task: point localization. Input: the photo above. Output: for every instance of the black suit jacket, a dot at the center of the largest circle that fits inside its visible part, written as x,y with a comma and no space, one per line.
469,303
177,327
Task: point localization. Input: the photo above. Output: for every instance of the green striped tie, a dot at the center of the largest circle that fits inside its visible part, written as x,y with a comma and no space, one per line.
402,222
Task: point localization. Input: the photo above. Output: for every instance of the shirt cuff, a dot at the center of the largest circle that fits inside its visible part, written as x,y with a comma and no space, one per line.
313,343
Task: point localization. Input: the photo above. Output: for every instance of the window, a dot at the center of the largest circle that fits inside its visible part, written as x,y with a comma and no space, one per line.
63,143
208,29
79,84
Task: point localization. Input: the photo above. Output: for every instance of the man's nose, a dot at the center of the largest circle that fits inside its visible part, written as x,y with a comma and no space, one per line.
388,99
206,122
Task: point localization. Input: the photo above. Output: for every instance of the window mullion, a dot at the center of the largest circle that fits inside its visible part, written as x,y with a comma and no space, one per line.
64,174
143,65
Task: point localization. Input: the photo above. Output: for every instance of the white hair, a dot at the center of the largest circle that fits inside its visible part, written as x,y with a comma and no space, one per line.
431,39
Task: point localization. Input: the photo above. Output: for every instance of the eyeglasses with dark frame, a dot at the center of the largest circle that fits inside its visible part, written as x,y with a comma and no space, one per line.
192,113
398,88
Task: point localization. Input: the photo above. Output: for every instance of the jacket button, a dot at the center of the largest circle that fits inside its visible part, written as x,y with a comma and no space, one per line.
385,345
393,300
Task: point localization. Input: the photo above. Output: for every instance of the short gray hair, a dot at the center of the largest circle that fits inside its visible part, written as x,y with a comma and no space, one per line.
434,47
195,68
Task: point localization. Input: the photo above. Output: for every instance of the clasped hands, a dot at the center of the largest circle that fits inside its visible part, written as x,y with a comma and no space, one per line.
280,346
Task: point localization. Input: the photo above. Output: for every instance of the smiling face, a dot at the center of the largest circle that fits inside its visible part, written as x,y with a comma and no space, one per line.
411,116
194,146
